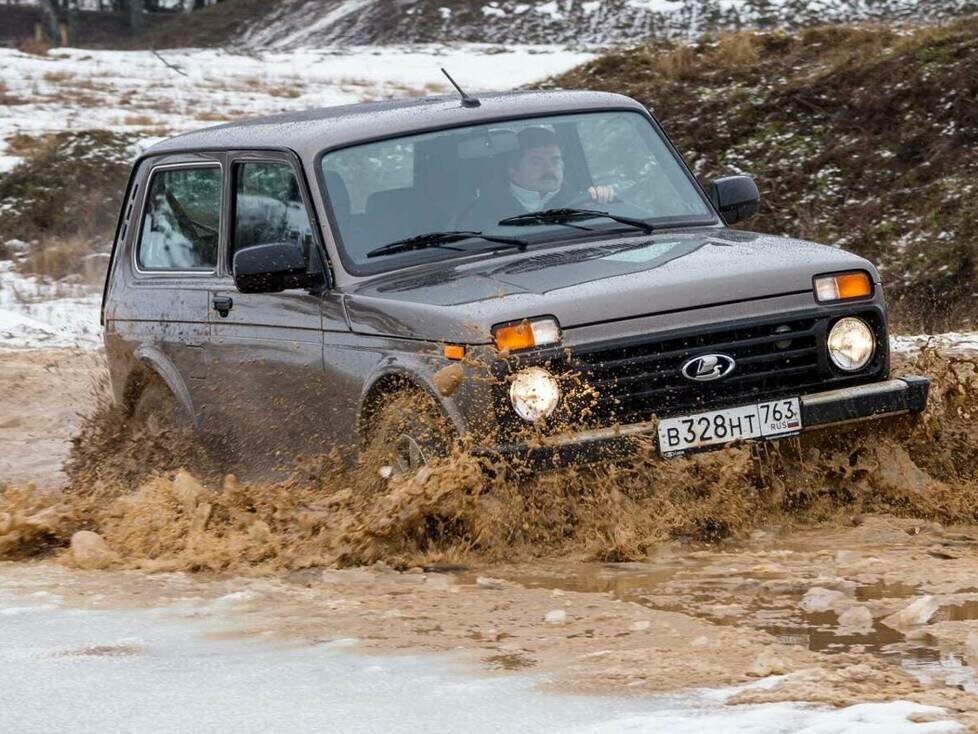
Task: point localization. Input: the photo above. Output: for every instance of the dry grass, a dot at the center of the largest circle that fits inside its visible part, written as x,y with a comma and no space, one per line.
286,92
20,144
58,258
213,117
737,49
676,63
7,99
141,120
58,77
34,46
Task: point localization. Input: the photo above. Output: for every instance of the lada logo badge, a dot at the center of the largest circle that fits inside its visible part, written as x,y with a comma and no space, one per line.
708,367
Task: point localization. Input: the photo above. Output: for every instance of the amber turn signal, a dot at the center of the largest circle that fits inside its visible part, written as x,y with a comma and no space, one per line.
526,334
843,287
454,351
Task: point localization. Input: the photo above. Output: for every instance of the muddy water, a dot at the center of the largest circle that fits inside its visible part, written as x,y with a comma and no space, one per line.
773,601
328,514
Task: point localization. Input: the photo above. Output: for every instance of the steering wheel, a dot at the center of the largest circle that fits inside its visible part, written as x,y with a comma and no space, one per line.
624,207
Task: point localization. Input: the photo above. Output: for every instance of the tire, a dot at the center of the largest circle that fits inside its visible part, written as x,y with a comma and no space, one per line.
406,433
157,410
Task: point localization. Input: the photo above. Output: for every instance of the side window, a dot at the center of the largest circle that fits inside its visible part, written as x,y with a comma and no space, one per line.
268,207
181,220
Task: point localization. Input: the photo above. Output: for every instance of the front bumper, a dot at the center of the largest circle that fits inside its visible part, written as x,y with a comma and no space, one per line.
818,410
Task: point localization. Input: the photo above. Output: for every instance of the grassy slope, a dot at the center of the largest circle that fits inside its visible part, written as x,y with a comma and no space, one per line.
858,137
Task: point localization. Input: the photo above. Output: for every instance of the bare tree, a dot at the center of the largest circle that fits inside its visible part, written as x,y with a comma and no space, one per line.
49,12
137,20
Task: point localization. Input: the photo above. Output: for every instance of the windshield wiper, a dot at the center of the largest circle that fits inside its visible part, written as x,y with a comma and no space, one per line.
562,216
441,239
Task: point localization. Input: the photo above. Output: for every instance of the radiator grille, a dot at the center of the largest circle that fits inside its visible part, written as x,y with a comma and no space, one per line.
776,358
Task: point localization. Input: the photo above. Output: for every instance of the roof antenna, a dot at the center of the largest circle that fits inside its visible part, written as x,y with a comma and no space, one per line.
467,101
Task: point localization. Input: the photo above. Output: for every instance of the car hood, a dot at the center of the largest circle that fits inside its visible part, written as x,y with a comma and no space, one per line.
589,283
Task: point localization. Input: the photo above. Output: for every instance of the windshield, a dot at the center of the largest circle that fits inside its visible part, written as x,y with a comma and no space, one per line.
471,179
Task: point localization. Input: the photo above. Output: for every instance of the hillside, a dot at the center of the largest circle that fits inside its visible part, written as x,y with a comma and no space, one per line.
288,24
865,138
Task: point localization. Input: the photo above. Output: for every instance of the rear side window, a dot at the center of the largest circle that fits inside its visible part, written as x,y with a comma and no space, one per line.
181,220
268,207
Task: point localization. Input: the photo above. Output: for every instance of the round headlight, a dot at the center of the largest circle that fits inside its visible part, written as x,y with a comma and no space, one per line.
535,394
851,344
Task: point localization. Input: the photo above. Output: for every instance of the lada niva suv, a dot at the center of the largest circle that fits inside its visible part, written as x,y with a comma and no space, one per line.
539,271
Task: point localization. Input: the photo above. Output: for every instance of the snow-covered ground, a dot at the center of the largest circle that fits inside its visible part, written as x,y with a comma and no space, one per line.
179,90
38,314
181,668
951,341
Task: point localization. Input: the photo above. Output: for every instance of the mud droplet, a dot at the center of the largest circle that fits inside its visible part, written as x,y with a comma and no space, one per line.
90,551
856,619
917,612
487,582
555,616
767,663
448,379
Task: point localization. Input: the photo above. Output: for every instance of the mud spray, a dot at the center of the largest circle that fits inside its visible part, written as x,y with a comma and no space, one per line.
190,516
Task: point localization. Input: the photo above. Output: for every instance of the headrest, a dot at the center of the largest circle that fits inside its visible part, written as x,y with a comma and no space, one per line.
339,194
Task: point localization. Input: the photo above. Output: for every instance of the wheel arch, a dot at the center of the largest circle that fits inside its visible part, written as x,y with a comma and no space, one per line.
150,363
396,379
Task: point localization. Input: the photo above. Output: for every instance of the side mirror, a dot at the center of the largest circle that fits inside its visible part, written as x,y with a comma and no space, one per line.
736,198
272,268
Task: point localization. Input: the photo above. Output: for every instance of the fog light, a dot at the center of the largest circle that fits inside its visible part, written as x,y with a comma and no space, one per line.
535,394
784,344
851,344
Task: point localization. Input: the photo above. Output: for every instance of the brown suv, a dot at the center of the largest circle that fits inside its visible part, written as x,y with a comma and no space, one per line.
541,270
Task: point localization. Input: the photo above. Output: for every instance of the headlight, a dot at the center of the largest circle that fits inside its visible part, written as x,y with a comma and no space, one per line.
851,344
535,394
526,334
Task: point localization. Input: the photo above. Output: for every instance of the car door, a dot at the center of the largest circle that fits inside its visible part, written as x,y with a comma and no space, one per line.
265,353
159,311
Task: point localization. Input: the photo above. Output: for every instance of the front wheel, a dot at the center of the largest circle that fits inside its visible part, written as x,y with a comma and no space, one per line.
157,410
406,433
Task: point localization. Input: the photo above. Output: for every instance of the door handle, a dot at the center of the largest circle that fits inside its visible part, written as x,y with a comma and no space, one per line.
223,305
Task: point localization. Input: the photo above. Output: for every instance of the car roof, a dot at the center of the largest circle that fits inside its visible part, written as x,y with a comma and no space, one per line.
310,131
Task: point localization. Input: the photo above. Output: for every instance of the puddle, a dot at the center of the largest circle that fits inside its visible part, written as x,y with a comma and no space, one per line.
957,612
882,590
769,601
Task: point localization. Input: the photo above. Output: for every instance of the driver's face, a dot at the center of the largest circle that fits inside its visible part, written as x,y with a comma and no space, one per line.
539,169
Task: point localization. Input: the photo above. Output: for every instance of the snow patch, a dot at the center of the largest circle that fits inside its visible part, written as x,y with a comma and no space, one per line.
134,91
38,314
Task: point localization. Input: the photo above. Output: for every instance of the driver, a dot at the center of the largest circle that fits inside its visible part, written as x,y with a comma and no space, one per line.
536,181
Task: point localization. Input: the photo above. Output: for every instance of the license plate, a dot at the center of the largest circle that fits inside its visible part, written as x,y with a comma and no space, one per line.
761,420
